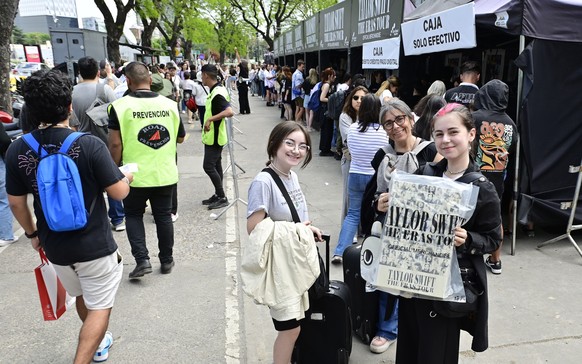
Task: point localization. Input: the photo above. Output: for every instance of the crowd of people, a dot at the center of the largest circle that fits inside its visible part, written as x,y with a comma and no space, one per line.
449,133
444,133
131,123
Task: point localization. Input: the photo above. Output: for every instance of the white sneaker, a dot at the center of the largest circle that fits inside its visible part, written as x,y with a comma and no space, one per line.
119,227
102,353
8,242
380,344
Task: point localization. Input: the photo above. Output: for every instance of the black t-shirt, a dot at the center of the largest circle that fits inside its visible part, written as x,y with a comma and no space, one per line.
287,89
114,121
463,94
97,171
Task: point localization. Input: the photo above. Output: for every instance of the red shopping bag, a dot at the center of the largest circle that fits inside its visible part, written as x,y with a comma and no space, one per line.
191,104
54,299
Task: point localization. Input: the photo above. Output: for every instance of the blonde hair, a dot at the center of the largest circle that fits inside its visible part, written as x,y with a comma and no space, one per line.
312,76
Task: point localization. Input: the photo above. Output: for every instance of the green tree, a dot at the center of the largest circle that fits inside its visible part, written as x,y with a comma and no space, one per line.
36,38
149,13
268,18
17,35
172,19
115,26
7,14
229,33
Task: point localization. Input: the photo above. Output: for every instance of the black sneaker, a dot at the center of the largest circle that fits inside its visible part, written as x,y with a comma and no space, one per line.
221,202
210,200
495,267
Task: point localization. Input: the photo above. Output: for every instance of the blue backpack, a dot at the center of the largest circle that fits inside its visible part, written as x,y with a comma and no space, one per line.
59,186
314,102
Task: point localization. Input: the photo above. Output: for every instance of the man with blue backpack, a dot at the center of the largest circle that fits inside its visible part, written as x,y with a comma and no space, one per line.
67,173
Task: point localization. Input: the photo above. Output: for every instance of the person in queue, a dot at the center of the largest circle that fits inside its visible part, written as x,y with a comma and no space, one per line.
398,122
289,145
425,337
364,138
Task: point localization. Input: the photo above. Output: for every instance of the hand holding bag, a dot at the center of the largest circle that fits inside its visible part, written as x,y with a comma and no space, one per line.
54,299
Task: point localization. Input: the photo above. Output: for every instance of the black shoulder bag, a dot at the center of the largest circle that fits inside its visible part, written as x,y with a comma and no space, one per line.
321,284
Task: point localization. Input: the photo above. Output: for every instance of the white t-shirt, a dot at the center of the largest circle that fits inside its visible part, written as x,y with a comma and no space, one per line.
265,195
200,93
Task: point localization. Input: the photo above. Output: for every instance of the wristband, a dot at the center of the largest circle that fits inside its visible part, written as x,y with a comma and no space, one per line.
31,236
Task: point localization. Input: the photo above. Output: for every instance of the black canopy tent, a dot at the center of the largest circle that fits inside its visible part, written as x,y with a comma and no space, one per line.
551,135
550,131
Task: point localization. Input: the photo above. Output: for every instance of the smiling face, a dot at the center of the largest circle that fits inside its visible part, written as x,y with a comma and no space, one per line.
391,122
292,151
452,138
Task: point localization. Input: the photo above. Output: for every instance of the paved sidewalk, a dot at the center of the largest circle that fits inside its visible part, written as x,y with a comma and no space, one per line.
199,314
534,313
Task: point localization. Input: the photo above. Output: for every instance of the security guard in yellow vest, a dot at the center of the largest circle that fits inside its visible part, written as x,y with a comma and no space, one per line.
214,134
144,128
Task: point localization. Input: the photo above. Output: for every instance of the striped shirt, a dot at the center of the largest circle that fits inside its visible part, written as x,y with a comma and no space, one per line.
363,146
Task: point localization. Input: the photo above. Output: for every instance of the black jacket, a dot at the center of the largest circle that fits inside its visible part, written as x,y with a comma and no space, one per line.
484,236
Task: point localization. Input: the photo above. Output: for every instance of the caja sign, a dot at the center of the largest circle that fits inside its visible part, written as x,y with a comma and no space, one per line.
447,30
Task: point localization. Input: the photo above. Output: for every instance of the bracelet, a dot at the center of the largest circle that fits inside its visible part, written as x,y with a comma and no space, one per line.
31,236
126,180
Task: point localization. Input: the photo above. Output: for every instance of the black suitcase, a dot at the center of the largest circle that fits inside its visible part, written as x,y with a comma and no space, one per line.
364,305
326,331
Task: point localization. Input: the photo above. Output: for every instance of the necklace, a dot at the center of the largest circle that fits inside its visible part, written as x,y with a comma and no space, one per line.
459,172
272,165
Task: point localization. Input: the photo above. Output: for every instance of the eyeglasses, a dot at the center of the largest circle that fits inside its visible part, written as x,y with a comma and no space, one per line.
389,124
356,97
302,147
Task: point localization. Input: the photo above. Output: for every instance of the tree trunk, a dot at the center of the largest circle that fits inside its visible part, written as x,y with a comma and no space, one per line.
148,31
7,15
188,50
113,53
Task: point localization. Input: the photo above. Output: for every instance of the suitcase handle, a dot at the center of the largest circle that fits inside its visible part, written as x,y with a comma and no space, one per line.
326,238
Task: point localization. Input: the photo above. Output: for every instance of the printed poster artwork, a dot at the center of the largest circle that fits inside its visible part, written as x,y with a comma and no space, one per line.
494,142
418,235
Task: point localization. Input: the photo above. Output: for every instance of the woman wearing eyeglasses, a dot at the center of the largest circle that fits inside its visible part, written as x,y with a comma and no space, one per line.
289,145
349,116
364,138
398,122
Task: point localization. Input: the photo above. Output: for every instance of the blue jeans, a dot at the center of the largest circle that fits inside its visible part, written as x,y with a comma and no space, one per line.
388,329
115,211
356,186
6,217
